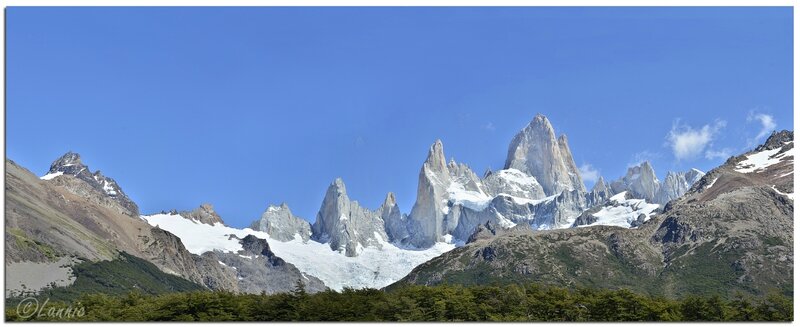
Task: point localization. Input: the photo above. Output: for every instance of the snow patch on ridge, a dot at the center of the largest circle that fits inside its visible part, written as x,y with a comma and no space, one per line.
762,160
517,176
51,175
524,201
622,212
108,188
712,183
474,200
788,195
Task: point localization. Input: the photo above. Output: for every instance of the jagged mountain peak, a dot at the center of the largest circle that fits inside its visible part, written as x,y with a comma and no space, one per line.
338,186
204,214
600,185
643,169
540,123
66,162
436,159
640,180
536,151
641,166
390,200
776,140
70,164
279,222
541,120
345,225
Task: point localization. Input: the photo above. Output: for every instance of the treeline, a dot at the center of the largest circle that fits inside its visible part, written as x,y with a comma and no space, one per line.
416,303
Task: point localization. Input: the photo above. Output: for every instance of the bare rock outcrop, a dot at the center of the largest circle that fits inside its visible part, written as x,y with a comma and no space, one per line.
536,152
282,225
345,225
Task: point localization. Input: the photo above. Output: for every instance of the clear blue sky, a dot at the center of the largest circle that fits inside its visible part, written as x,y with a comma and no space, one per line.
243,107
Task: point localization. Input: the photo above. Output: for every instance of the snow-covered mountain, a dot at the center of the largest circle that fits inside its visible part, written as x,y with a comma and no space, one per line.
540,187
349,245
621,210
374,267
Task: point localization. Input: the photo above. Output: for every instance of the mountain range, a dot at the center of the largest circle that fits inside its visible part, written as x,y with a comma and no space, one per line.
532,220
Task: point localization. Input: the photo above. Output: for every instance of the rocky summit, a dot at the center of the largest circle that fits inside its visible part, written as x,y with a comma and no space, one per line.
536,152
205,214
70,164
282,225
345,225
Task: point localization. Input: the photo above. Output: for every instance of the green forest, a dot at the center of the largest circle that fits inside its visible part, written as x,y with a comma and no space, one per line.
413,303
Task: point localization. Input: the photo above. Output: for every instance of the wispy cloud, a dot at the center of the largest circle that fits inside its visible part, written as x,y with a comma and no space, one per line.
712,154
688,143
489,127
588,173
767,125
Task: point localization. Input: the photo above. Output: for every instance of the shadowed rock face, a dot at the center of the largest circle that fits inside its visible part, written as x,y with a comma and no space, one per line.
427,216
282,225
536,152
258,269
70,164
395,222
345,224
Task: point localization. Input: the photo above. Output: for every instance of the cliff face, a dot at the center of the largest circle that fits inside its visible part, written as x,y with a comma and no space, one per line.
345,225
536,152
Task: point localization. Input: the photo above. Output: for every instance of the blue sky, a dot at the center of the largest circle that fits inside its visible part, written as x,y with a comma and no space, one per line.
243,107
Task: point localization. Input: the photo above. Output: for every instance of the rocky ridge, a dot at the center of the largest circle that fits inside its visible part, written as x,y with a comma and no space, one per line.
70,164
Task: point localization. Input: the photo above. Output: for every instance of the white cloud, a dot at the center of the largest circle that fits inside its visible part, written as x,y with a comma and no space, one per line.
588,173
688,143
767,125
489,127
712,154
